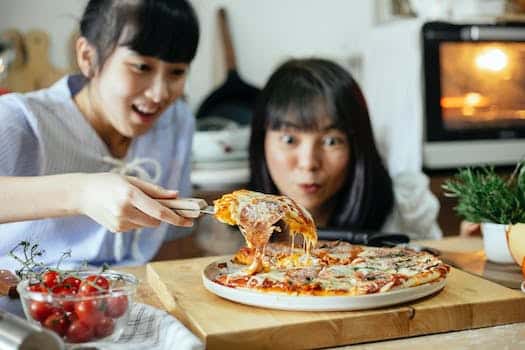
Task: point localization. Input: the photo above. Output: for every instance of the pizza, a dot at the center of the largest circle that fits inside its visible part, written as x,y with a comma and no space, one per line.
332,268
259,215
318,268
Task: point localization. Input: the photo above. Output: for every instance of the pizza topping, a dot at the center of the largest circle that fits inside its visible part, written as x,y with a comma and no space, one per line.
362,270
303,275
258,216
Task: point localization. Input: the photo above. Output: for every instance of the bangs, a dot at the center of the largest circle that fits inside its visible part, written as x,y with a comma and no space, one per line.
157,30
307,112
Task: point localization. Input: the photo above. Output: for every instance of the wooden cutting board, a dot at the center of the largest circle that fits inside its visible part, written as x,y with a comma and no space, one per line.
32,68
467,301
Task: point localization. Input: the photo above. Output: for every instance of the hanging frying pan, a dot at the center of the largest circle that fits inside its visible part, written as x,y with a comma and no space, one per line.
234,99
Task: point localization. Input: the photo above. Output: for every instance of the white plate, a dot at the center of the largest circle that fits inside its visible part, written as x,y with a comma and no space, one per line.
314,303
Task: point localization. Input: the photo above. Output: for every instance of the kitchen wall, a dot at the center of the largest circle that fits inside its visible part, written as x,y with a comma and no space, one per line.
265,32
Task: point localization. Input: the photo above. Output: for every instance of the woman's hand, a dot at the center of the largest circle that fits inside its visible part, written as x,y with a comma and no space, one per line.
467,229
122,203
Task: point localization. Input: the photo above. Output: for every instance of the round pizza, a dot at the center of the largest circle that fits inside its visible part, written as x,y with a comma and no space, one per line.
332,268
318,268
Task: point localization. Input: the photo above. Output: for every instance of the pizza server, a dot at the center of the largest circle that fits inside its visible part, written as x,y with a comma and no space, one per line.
189,207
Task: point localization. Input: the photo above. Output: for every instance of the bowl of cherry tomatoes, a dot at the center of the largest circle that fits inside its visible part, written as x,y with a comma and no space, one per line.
80,306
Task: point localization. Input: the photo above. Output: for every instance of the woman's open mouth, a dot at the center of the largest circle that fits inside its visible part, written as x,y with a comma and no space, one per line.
146,115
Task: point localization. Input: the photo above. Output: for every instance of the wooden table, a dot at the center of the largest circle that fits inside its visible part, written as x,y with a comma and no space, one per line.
219,240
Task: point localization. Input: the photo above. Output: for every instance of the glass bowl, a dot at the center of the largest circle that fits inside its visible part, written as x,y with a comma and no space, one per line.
80,306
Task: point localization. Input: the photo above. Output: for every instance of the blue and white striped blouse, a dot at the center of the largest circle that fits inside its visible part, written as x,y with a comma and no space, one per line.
44,133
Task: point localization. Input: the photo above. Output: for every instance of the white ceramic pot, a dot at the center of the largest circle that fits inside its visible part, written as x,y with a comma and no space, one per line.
495,243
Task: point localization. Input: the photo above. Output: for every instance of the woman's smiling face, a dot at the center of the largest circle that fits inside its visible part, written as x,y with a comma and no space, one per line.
308,166
130,91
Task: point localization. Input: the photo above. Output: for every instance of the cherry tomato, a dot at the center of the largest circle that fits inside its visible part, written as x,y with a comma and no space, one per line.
51,278
72,283
79,332
93,284
90,311
57,322
73,317
62,291
37,287
39,310
104,327
116,306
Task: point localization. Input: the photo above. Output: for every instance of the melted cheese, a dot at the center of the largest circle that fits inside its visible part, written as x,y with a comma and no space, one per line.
257,214
365,270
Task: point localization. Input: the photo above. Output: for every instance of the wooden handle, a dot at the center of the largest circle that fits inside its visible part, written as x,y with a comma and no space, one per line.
229,53
187,207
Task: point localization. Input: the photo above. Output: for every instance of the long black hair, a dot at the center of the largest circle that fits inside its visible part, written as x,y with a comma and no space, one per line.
165,29
298,90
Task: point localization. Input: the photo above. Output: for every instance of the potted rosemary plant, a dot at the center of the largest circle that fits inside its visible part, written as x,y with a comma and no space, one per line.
492,200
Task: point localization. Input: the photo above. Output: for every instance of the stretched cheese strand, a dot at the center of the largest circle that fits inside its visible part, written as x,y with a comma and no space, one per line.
256,214
257,240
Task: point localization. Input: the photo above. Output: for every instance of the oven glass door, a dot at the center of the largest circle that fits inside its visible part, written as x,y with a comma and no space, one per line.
482,85
474,81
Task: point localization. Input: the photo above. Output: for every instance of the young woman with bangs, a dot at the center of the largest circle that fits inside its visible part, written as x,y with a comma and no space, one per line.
312,141
83,162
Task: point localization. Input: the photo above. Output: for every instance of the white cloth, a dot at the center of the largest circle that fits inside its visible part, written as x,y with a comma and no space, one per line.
394,92
152,329
395,96
415,207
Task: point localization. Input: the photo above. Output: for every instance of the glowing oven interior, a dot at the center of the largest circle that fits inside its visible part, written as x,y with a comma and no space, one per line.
482,85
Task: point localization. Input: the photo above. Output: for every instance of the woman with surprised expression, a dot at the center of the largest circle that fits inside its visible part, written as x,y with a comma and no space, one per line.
312,141
310,166
84,162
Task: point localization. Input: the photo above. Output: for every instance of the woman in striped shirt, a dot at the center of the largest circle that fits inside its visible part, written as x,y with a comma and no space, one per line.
83,162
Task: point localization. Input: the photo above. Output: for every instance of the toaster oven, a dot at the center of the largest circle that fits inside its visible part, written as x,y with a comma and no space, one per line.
474,81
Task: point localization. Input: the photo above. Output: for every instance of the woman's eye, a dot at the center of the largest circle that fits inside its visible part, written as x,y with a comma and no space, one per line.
332,141
141,67
178,72
287,139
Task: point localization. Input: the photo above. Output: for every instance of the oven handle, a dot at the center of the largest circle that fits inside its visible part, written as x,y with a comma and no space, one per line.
476,33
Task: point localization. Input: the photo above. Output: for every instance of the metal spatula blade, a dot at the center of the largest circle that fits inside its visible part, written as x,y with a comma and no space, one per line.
189,207
210,209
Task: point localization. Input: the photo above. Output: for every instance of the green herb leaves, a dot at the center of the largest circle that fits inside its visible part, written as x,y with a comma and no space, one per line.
484,196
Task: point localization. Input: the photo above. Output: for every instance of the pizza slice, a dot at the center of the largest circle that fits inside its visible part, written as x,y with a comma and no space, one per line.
259,215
